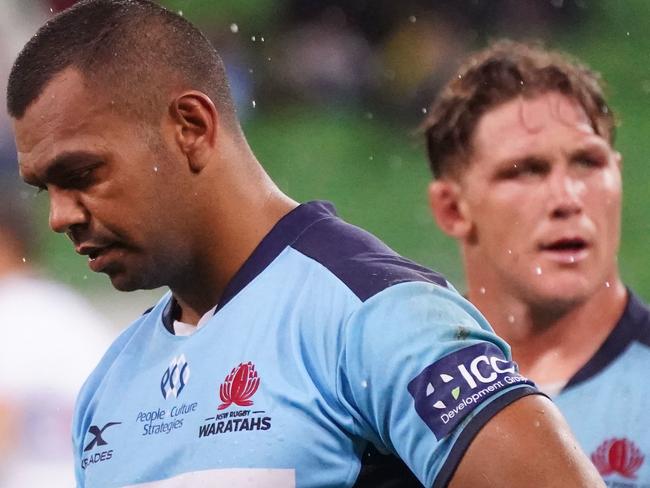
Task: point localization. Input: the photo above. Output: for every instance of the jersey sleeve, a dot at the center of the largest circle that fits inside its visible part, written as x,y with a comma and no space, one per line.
422,372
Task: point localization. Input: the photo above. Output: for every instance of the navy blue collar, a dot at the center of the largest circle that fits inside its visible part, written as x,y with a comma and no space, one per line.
285,232
634,325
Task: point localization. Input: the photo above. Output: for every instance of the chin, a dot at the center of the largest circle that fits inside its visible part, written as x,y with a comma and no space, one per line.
560,296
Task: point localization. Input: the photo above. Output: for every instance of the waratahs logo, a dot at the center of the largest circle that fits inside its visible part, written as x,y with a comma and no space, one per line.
620,456
175,377
449,389
239,386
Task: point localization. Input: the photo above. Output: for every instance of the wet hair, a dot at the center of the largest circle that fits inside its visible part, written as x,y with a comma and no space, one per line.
133,51
504,71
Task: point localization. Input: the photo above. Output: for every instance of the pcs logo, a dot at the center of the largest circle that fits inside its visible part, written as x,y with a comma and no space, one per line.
97,440
451,388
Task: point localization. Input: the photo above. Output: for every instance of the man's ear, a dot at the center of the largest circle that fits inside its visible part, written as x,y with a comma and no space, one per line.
449,209
195,126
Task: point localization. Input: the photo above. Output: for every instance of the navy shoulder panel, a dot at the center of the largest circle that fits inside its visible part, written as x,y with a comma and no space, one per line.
634,325
359,259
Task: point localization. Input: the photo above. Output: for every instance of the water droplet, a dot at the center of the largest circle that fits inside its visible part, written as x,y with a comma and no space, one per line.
412,19
482,290
424,110
253,103
261,39
364,384
536,423
269,58
253,38
572,259
627,33
85,277
538,270
607,284
250,70
180,12
509,251
51,10
155,168
24,260
371,158
511,319
234,28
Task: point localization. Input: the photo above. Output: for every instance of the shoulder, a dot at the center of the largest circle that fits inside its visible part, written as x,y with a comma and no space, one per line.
357,258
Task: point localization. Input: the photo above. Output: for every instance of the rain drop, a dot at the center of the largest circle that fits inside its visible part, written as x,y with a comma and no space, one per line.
253,103
607,284
482,290
572,259
250,70
538,270
253,38
24,260
364,384
261,39
180,12
371,158
509,251
412,19
424,110
51,10
511,319
234,28
627,34
155,168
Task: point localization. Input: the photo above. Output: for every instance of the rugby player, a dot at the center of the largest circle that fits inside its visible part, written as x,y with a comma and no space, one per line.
527,180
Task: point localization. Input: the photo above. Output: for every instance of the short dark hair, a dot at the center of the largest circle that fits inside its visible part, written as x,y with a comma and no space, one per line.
134,50
498,74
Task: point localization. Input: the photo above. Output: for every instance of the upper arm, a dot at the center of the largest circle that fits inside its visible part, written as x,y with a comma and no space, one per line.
526,444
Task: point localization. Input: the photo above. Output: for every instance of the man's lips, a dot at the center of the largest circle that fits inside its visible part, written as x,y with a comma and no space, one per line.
96,254
566,249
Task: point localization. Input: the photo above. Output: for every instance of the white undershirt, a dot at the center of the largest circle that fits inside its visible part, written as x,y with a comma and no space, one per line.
185,329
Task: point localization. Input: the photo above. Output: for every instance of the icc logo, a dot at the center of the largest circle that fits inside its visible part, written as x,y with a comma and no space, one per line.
620,456
239,386
175,377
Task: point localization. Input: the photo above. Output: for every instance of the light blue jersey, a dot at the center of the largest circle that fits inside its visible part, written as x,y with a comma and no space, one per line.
329,359
606,403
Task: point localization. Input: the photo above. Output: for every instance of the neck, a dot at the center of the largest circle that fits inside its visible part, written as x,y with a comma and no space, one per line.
233,223
547,340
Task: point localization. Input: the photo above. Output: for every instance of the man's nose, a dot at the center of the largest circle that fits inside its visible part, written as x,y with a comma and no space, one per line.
66,211
565,195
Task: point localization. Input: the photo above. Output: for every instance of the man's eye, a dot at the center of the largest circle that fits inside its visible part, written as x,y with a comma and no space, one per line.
80,178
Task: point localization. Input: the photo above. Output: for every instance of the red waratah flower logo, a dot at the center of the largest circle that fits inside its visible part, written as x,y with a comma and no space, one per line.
239,386
620,456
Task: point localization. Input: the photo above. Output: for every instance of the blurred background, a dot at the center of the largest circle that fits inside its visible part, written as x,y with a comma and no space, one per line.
331,94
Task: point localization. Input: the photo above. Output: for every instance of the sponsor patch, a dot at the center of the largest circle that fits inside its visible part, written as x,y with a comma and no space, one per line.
452,387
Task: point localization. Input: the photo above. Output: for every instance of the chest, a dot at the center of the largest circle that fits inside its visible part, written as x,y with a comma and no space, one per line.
219,410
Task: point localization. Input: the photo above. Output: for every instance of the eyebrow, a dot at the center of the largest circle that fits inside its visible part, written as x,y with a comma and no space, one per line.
57,167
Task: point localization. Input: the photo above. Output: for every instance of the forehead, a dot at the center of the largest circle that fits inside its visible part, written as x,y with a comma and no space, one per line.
66,117
522,124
